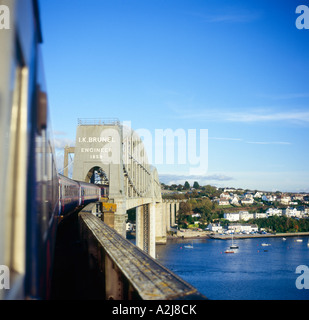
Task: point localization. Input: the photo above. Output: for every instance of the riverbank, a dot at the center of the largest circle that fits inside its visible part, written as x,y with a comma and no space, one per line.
188,234
257,235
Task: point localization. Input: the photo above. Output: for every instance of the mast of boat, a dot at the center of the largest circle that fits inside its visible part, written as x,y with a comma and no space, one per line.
233,246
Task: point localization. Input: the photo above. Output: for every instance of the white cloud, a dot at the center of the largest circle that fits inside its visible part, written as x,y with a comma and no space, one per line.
251,142
300,116
270,142
225,139
246,117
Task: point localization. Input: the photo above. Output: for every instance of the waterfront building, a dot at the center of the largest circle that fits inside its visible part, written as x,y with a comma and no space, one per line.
241,227
215,227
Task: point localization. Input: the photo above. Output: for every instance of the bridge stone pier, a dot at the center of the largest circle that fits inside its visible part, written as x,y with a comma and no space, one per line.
115,154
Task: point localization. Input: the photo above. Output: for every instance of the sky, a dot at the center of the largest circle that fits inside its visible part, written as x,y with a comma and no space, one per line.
235,73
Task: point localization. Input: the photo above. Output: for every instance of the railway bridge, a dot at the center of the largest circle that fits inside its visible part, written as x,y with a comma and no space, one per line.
110,153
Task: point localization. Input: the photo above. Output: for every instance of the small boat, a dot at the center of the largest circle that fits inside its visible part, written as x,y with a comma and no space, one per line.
265,244
283,239
188,246
233,246
229,251
308,243
299,240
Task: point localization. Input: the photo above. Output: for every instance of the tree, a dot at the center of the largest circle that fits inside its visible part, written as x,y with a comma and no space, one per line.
185,208
186,185
196,185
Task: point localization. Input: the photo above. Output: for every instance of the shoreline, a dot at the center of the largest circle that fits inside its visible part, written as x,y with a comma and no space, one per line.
202,235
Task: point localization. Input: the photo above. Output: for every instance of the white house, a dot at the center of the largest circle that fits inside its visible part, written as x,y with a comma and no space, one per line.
238,227
259,215
292,212
225,195
232,216
234,200
245,215
258,194
269,198
247,201
249,195
273,212
223,202
299,197
215,227
285,200
195,215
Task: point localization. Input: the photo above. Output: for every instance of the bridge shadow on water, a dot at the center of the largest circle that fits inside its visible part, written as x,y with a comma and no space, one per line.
73,279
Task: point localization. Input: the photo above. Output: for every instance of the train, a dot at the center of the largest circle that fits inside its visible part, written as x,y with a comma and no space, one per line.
33,195
73,194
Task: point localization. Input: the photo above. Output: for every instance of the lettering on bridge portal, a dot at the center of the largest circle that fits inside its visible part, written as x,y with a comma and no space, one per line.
96,139
92,146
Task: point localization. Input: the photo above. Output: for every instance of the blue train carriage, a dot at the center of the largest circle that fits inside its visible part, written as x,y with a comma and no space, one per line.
28,176
69,195
89,193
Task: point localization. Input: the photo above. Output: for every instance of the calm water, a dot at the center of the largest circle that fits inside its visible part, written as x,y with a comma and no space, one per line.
251,273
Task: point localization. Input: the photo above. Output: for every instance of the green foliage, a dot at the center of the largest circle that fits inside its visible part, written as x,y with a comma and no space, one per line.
196,185
186,185
283,224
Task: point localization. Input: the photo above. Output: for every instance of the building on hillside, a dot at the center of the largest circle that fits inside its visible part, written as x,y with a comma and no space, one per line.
247,201
292,212
223,202
245,215
273,212
231,216
260,215
234,200
285,200
258,195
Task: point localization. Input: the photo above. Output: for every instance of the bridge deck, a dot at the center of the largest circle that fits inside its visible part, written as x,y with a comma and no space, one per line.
150,279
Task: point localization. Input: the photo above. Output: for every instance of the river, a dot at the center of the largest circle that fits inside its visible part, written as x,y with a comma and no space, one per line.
254,272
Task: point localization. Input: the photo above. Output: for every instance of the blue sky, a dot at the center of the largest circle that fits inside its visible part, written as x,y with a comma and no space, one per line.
236,68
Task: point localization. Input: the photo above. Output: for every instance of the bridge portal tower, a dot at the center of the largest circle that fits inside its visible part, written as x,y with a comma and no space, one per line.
118,154
98,146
